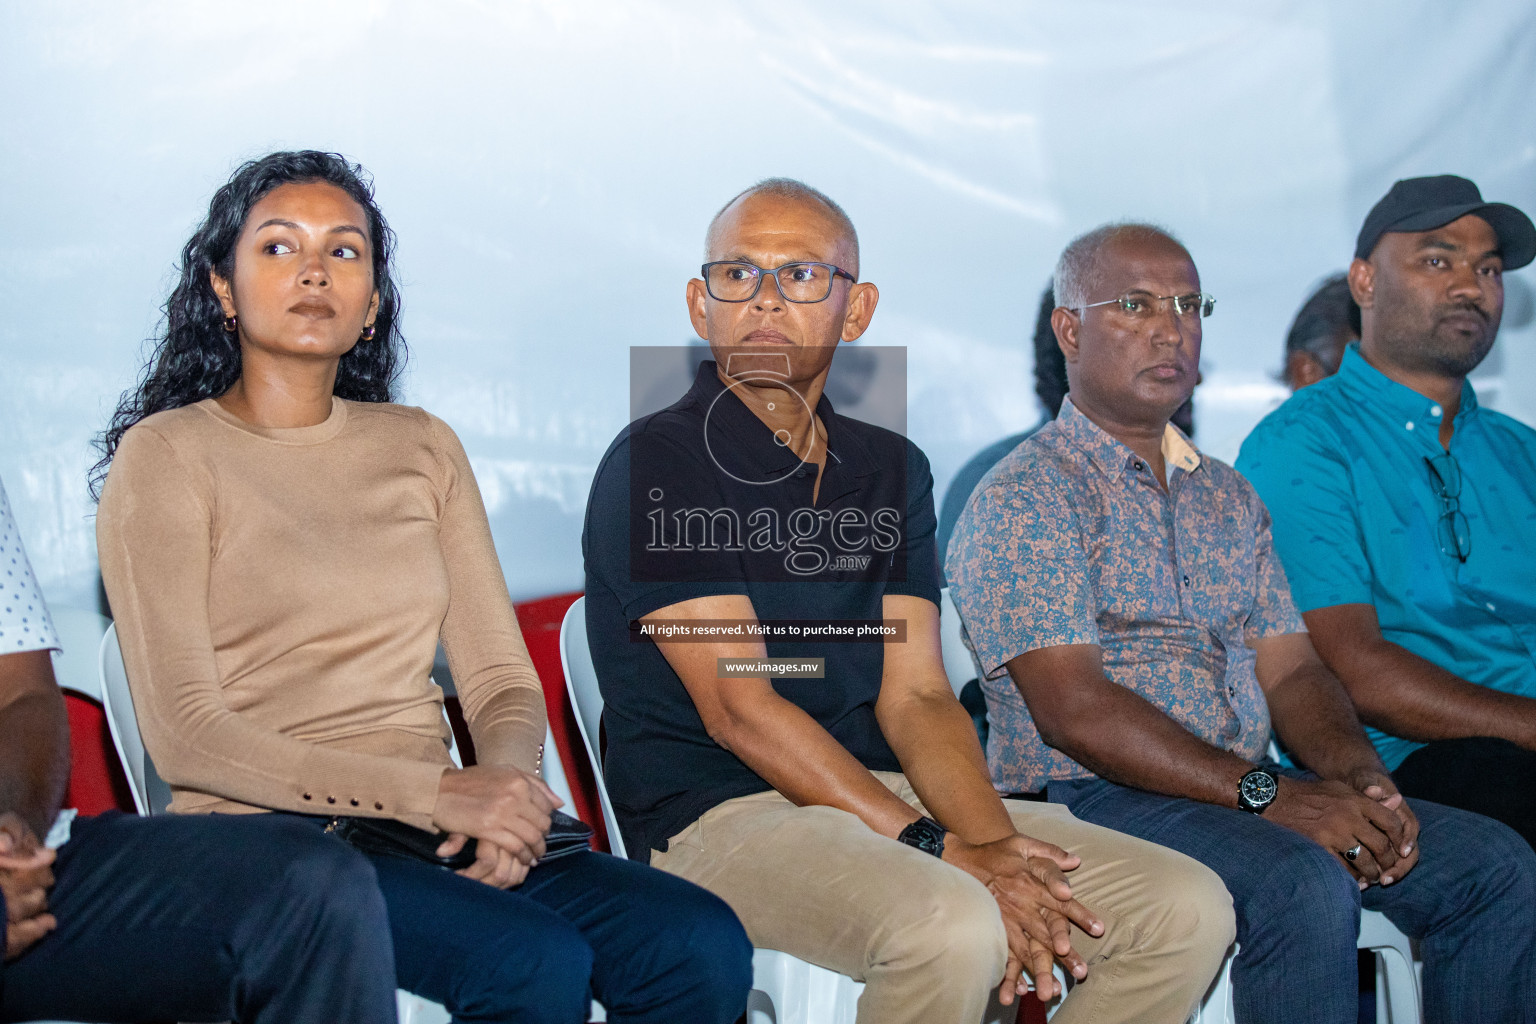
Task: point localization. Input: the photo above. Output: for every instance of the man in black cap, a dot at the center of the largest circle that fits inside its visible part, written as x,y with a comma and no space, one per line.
1405,513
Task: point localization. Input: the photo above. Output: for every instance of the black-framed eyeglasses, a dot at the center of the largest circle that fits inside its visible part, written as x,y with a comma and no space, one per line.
1453,530
1144,306
739,281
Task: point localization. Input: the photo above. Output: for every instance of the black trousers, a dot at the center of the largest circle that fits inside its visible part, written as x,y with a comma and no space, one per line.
253,918
1492,777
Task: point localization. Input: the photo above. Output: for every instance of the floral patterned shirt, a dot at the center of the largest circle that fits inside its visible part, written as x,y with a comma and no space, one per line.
1070,540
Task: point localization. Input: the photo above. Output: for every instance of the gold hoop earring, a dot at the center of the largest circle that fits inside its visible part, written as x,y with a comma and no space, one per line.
231,324
368,333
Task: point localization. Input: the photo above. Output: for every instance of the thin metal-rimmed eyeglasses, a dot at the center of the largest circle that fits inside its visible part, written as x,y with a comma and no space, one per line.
1454,532
1144,306
738,280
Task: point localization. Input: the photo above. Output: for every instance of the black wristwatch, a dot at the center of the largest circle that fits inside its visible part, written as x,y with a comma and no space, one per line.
1256,790
925,834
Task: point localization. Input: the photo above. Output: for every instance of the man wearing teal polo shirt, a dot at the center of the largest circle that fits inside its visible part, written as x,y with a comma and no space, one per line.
1405,513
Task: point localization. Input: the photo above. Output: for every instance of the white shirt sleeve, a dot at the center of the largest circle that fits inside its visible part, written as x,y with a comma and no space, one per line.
24,621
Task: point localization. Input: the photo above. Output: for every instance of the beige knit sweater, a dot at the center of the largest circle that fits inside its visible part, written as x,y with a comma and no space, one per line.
279,596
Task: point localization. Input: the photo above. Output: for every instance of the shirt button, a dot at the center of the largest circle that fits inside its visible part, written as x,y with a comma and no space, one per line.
1489,606
378,806
1186,581
1409,424
1435,410
330,799
1139,465
308,797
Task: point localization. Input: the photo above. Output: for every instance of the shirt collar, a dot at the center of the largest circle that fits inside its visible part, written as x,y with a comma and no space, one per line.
1114,458
1397,401
730,416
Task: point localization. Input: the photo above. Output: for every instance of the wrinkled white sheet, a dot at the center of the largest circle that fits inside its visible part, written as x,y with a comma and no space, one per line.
550,168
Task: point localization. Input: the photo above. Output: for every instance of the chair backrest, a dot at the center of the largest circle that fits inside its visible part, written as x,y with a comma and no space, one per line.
553,771
150,794
587,701
80,632
957,660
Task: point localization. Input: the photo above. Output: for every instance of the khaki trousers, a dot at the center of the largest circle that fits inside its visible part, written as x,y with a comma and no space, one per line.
926,938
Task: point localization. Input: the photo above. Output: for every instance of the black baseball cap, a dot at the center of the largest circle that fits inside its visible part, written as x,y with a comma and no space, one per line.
1421,204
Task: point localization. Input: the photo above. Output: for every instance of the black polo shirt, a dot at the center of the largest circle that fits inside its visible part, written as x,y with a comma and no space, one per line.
699,499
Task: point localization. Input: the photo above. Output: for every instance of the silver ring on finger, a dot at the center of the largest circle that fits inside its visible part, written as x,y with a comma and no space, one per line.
1353,853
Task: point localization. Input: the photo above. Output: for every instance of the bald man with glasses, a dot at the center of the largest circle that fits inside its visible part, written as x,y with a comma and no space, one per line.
846,817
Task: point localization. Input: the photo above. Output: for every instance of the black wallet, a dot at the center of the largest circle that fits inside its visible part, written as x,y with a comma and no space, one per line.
387,837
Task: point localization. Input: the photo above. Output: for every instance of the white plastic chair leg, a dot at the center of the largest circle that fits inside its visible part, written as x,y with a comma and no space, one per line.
1397,983
787,990
413,1009
1216,1007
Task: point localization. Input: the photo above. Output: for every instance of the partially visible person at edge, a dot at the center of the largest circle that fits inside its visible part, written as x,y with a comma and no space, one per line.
117,917
284,548
1326,324
1405,511
847,819
1121,596
1050,389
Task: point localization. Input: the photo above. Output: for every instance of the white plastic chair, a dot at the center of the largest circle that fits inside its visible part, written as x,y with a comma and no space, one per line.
80,632
1397,990
1397,982
957,660
785,989
122,722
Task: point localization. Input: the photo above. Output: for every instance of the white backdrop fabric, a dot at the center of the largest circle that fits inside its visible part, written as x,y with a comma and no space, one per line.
550,168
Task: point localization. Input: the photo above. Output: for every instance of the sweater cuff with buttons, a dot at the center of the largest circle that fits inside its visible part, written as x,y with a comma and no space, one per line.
337,782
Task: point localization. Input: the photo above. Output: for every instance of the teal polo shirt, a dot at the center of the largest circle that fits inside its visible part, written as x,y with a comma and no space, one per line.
1356,512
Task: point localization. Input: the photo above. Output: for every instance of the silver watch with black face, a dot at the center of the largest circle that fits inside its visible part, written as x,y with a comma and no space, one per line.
1256,790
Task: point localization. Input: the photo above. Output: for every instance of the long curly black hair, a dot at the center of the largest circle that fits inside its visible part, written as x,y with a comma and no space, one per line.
196,358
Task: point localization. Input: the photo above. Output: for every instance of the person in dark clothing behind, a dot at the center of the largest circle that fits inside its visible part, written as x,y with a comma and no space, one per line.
1324,326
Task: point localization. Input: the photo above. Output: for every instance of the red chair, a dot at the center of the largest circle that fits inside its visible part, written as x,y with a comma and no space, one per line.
96,781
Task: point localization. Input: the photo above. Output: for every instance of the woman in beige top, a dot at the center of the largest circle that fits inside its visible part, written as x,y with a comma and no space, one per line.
284,548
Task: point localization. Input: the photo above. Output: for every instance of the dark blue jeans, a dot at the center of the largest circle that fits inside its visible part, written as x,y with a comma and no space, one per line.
652,948
255,918
1470,901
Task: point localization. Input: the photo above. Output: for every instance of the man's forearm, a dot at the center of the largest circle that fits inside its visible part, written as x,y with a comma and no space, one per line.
34,739
1405,695
800,759
1402,694
1314,718
935,741
1119,736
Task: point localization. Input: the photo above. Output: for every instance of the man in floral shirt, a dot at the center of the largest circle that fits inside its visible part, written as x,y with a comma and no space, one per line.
1137,639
